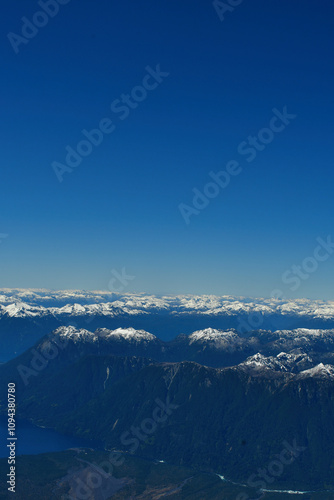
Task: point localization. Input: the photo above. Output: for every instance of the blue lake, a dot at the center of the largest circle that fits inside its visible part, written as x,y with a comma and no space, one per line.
32,440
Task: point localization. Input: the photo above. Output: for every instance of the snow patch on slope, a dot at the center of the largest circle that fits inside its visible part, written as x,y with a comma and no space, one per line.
129,334
320,371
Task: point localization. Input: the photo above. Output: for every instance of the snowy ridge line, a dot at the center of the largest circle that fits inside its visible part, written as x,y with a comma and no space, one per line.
298,364
34,303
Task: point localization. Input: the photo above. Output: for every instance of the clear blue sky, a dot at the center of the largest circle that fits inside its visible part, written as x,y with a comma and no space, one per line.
120,207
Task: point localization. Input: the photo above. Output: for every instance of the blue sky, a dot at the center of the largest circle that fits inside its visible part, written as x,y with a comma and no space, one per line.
120,207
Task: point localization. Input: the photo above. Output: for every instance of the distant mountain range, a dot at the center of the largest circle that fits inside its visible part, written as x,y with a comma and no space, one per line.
27,315
222,384
35,302
218,400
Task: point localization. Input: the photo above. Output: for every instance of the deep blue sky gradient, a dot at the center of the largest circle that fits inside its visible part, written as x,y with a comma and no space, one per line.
119,207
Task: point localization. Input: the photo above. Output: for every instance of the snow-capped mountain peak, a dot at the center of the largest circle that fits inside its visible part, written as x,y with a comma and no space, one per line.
22,310
128,334
80,302
320,371
75,334
213,336
283,362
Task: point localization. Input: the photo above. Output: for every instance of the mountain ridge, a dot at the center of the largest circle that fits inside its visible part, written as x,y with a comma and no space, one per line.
28,315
